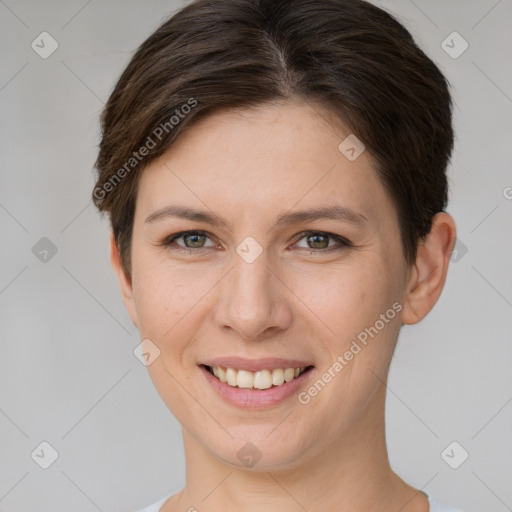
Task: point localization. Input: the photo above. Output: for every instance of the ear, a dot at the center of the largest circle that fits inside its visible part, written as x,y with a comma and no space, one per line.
124,282
428,274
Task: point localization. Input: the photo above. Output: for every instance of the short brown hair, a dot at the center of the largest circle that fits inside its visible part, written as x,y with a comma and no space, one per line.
348,55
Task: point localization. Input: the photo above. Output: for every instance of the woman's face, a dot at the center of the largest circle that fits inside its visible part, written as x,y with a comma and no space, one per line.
253,287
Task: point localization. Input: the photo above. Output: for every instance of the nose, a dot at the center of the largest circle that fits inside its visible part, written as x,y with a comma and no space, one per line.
254,300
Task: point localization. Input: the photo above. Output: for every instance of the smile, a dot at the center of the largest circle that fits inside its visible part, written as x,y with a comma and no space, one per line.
256,383
261,379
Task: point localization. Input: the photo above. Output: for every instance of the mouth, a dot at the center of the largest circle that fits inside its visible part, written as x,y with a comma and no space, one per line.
263,379
258,383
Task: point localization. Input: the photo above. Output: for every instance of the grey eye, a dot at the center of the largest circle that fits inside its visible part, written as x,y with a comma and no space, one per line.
194,240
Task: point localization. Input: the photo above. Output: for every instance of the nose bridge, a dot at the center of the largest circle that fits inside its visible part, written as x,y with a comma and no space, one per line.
250,303
250,287
252,278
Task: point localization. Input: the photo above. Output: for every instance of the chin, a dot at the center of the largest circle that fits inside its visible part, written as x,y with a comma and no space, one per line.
255,453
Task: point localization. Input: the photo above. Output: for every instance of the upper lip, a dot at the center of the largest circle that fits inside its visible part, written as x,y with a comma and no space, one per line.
253,365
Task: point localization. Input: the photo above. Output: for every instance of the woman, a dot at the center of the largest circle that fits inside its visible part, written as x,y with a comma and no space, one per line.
275,178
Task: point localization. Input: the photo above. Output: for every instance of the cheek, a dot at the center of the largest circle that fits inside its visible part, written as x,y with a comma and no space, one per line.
161,297
343,300
348,305
172,304
165,306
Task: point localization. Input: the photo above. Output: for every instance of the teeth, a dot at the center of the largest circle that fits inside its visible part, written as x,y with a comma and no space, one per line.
289,374
221,374
244,379
231,376
278,377
262,379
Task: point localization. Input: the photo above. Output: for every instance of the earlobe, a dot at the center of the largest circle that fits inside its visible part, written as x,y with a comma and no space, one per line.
125,283
430,269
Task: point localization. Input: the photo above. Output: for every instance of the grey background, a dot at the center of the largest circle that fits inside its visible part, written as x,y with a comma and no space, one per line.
68,375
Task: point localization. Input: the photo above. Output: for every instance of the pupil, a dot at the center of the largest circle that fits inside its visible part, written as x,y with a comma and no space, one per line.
316,243
195,241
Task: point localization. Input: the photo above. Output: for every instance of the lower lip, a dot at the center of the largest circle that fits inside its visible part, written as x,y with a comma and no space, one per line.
255,398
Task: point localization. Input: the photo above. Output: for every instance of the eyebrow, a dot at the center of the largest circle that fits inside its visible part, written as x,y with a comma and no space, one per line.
335,212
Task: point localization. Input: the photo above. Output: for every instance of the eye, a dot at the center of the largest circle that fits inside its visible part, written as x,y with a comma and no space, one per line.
191,239
319,241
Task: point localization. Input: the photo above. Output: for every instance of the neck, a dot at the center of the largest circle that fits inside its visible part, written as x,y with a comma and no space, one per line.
351,474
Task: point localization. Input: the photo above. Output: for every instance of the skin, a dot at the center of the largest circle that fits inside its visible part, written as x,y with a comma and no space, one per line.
248,167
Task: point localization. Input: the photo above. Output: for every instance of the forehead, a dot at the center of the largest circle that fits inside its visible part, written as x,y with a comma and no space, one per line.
265,159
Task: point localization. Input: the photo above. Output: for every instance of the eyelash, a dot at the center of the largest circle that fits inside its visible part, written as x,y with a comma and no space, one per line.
169,241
